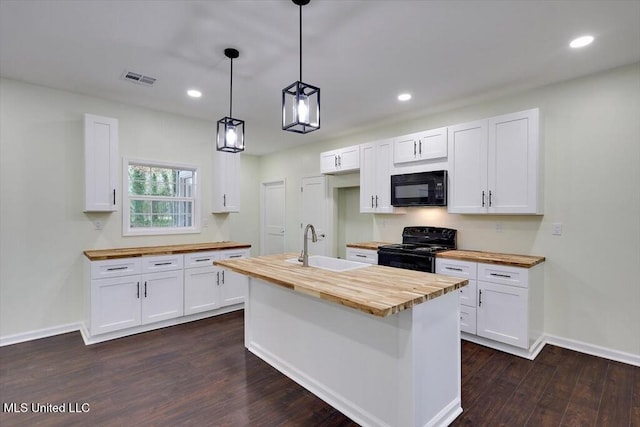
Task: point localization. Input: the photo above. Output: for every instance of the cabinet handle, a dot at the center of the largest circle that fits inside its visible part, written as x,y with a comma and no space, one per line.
508,276
335,161
480,298
138,290
157,264
114,196
453,268
116,268
371,201
376,201
202,259
237,256
223,277
339,160
224,200
145,288
218,278
490,198
420,147
483,198
361,256
414,148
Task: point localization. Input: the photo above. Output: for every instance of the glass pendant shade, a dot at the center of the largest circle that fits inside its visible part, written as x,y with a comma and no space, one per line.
301,108
230,131
230,135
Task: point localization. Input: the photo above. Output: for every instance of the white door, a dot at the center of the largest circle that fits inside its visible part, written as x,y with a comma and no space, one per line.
315,212
468,168
273,217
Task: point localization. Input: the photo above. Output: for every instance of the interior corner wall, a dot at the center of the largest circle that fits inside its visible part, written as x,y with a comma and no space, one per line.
42,224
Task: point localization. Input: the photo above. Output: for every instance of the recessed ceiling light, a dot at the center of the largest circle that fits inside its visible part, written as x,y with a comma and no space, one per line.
404,97
194,93
581,42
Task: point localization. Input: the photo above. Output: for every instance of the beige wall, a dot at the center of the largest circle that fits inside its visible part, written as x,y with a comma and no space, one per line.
591,162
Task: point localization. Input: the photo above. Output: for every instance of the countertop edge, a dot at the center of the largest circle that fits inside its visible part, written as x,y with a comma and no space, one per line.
135,252
492,258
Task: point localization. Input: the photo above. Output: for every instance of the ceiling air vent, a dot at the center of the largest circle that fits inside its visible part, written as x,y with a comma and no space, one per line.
138,78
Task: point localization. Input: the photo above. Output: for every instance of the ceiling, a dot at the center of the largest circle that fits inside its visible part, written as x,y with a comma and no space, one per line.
361,53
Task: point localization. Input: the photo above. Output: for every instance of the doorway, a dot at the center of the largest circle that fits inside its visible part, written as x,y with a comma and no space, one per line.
272,217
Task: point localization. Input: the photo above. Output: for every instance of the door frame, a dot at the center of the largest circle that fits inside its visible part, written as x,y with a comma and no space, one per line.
263,186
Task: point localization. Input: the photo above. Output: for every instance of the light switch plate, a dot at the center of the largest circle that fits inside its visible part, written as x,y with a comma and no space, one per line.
557,229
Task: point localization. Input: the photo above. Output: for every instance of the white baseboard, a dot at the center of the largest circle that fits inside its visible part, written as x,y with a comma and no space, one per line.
594,350
40,333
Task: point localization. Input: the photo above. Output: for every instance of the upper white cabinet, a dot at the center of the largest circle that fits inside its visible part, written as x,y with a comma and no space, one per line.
226,182
375,177
494,165
343,160
100,163
426,145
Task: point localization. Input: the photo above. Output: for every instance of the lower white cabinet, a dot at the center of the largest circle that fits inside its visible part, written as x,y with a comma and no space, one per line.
500,305
127,294
369,256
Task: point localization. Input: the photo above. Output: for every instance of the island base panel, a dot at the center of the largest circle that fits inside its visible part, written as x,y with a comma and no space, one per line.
399,370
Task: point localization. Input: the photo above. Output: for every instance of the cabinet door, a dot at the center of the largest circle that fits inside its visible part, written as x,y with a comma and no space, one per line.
201,289
502,313
162,296
513,163
367,177
405,149
329,162
468,168
115,304
233,288
349,159
226,182
100,163
384,154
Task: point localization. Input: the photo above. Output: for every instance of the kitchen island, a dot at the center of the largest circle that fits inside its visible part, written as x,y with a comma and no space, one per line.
380,344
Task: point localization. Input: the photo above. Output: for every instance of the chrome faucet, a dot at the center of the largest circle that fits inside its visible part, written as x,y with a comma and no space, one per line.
304,255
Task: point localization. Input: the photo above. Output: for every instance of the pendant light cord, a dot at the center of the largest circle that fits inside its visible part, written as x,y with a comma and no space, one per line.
300,43
231,89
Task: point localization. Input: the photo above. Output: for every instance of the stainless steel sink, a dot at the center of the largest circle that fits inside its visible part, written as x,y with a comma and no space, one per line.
331,264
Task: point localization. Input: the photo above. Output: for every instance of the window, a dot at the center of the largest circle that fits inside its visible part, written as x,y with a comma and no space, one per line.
160,198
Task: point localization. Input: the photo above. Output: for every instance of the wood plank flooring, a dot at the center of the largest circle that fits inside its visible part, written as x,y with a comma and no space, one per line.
199,374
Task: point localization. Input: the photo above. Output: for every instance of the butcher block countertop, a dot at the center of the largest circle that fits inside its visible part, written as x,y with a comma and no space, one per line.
104,254
375,289
512,260
372,246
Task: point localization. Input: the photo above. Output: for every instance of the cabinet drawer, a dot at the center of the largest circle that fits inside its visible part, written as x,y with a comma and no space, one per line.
161,263
115,268
468,319
451,267
505,275
468,294
234,253
200,259
362,255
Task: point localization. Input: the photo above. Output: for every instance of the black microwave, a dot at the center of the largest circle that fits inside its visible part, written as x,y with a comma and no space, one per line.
419,189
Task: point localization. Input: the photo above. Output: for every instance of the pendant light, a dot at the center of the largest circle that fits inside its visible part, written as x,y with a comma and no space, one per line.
230,134
301,101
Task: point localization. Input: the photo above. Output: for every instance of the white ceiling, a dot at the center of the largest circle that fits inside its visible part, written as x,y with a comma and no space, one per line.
361,53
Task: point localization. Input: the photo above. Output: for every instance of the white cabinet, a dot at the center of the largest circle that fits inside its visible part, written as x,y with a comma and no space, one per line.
415,147
375,178
123,296
369,256
342,160
100,164
494,165
226,182
207,287
501,305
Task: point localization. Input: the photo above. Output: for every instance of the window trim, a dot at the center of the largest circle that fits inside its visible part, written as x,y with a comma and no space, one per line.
157,231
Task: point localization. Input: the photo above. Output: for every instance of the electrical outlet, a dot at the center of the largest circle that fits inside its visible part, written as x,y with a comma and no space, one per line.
557,229
498,227
97,224
205,223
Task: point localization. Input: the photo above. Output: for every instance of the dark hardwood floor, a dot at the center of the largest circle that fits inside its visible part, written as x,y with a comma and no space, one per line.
199,374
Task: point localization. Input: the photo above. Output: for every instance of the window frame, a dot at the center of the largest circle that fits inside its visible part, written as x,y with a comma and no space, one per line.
196,196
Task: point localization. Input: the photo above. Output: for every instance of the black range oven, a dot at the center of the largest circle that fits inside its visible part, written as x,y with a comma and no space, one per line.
418,248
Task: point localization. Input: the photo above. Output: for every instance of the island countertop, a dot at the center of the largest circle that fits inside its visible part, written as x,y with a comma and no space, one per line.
104,254
375,289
